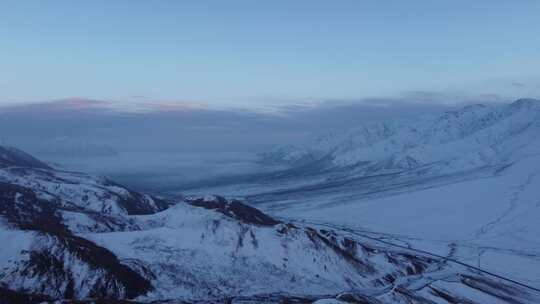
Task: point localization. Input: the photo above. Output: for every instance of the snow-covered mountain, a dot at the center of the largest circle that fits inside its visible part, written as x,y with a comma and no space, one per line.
471,137
466,181
69,235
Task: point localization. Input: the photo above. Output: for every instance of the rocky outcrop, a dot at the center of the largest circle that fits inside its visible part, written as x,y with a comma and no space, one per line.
233,208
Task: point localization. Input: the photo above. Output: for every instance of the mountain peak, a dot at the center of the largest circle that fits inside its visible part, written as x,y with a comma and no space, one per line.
233,208
471,109
526,103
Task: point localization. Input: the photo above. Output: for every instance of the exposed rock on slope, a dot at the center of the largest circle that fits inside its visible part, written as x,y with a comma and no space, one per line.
44,257
234,209
77,190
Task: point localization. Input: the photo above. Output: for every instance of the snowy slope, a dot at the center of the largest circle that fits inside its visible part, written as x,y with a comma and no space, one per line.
467,138
78,190
467,179
41,256
59,246
494,220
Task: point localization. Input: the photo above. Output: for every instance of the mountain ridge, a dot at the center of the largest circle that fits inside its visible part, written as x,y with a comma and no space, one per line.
405,144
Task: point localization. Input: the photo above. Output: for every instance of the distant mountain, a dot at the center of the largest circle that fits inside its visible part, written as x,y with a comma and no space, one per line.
71,236
471,137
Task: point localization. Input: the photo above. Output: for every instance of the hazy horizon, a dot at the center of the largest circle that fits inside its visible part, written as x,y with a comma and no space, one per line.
160,146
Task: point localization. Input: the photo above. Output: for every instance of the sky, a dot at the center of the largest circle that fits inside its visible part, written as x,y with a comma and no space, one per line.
251,54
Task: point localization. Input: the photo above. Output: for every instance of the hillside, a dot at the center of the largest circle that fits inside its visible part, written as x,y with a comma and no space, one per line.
73,236
466,179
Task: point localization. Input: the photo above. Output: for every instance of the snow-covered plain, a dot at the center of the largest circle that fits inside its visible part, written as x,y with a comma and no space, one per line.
494,219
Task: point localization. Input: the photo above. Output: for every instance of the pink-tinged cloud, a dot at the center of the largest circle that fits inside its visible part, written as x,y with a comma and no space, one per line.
74,104
77,103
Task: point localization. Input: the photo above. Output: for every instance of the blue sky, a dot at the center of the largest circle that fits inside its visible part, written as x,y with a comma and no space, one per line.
255,52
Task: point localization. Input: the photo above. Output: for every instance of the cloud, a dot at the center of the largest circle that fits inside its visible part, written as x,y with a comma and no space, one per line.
168,142
60,105
180,126
177,126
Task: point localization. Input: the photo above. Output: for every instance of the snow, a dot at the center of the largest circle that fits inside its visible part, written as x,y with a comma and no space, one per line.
328,301
499,212
470,135
75,189
448,215
17,240
463,185
184,245
191,241
467,179
467,293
